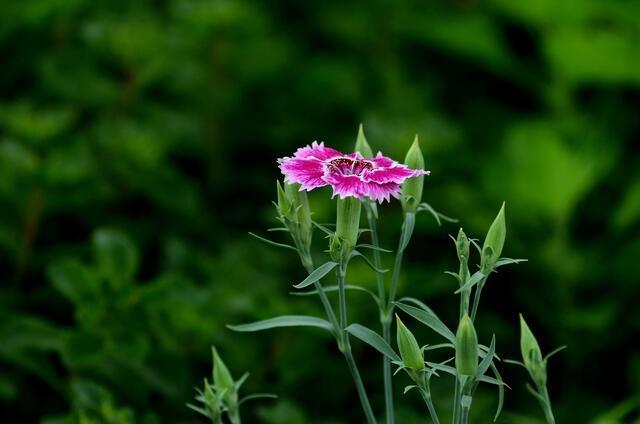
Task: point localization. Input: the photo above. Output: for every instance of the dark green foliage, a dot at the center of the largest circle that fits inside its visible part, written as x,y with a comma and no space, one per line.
138,142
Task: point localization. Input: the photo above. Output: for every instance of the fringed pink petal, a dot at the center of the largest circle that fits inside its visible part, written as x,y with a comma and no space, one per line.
308,173
396,174
382,192
346,185
381,161
318,151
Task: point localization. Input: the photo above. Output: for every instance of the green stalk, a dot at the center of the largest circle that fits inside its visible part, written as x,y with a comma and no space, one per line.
397,264
345,346
234,416
342,336
476,298
386,324
546,405
456,402
465,416
426,396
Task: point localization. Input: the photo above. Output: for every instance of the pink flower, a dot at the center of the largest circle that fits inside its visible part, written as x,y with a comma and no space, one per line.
377,178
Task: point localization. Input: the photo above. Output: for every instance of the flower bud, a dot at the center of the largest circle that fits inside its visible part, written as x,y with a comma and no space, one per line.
222,379
466,347
531,354
362,146
494,242
462,246
301,213
412,188
283,205
348,222
410,351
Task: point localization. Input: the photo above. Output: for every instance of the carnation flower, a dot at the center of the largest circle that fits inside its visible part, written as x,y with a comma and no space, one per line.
352,175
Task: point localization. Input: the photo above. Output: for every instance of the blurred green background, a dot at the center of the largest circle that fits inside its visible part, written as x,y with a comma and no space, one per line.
138,145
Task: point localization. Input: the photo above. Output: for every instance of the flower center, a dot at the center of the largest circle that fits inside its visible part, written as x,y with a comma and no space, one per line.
347,166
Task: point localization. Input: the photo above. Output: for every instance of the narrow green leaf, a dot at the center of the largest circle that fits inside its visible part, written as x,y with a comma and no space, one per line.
454,275
355,253
420,304
335,288
373,339
535,394
407,230
513,362
475,278
438,346
430,319
409,388
553,352
508,261
316,275
372,247
283,321
273,243
443,368
488,358
257,396
437,215
500,392
323,228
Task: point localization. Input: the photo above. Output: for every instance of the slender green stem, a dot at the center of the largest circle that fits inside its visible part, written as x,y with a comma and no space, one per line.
362,393
308,264
373,226
465,416
386,323
234,416
546,405
456,402
432,410
345,346
386,372
342,336
342,298
476,298
394,279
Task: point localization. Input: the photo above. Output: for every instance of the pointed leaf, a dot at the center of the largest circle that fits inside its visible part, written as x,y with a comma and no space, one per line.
257,396
553,352
273,243
437,215
335,288
283,321
500,392
488,358
316,275
372,247
508,261
368,262
407,230
430,319
373,339
475,278
417,302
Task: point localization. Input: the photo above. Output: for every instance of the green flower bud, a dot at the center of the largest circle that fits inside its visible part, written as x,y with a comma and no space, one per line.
531,354
494,242
466,347
283,205
412,188
348,222
462,246
301,213
222,379
362,146
410,351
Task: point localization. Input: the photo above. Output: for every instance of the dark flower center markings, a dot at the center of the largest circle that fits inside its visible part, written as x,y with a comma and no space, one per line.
347,166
